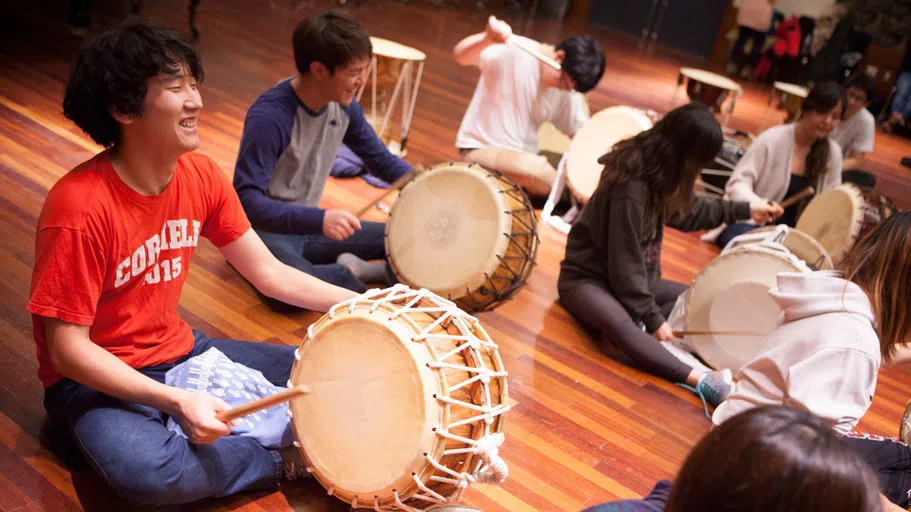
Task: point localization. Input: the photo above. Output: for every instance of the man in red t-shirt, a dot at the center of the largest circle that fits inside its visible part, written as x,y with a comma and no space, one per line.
114,244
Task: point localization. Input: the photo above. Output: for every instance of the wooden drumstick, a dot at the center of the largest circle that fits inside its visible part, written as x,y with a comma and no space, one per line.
396,185
807,192
262,403
680,334
536,54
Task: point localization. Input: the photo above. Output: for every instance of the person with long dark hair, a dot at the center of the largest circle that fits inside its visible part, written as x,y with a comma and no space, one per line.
837,329
610,279
785,160
770,458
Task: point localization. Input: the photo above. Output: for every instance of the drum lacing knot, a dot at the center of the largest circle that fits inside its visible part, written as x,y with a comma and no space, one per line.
488,416
488,447
465,480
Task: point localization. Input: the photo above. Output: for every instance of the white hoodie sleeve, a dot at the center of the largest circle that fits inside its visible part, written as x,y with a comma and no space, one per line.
835,384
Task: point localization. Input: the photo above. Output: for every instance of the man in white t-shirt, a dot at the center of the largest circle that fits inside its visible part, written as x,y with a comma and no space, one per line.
516,93
857,129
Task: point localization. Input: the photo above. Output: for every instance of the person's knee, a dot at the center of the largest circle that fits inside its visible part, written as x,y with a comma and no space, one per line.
374,232
152,479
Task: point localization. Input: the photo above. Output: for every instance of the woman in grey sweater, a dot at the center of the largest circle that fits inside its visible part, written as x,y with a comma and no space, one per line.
610,279
786,159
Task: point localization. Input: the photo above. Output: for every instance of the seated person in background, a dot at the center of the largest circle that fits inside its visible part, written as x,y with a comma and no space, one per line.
786,159
115,240
857,129
291,136
836,330
754,19
769,459
516,93
901,101
611,279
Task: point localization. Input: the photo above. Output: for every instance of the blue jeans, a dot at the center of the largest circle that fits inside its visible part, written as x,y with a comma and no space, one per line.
901,102
316,254
130,447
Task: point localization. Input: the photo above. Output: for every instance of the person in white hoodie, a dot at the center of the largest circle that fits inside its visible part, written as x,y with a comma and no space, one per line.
786,159
835,331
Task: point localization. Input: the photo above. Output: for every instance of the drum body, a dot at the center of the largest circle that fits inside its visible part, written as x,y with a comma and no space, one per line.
596,138
465,233
731,295
407,390
706,94
394,76
708,88
838,217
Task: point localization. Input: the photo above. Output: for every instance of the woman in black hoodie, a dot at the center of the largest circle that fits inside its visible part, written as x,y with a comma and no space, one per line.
611,279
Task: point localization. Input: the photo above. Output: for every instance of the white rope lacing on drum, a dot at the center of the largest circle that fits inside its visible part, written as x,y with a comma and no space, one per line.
493,470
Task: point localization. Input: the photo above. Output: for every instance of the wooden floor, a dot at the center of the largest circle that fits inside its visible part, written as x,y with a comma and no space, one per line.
587,428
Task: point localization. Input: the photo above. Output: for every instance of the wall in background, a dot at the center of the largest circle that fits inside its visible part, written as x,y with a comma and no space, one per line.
802,7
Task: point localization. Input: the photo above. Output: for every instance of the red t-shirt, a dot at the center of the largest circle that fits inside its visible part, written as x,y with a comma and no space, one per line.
116,260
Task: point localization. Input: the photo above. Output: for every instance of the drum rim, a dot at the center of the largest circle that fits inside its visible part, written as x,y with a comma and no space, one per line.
483,268
632,113
701,343
393,50
790,88
695,73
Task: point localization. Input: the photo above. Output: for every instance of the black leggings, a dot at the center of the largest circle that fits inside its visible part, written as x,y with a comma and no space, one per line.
598,310
890,460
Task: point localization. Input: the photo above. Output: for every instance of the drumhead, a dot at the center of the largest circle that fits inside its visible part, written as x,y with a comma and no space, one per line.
448,229
363,427
710,78
834,218
386,48
732,294
597,137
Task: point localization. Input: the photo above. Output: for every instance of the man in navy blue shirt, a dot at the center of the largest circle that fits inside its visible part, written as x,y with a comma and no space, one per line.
291,136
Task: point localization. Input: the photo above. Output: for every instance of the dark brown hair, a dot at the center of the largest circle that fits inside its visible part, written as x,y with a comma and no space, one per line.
880,263
774,458
821,99
668,158
332,38
112,72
